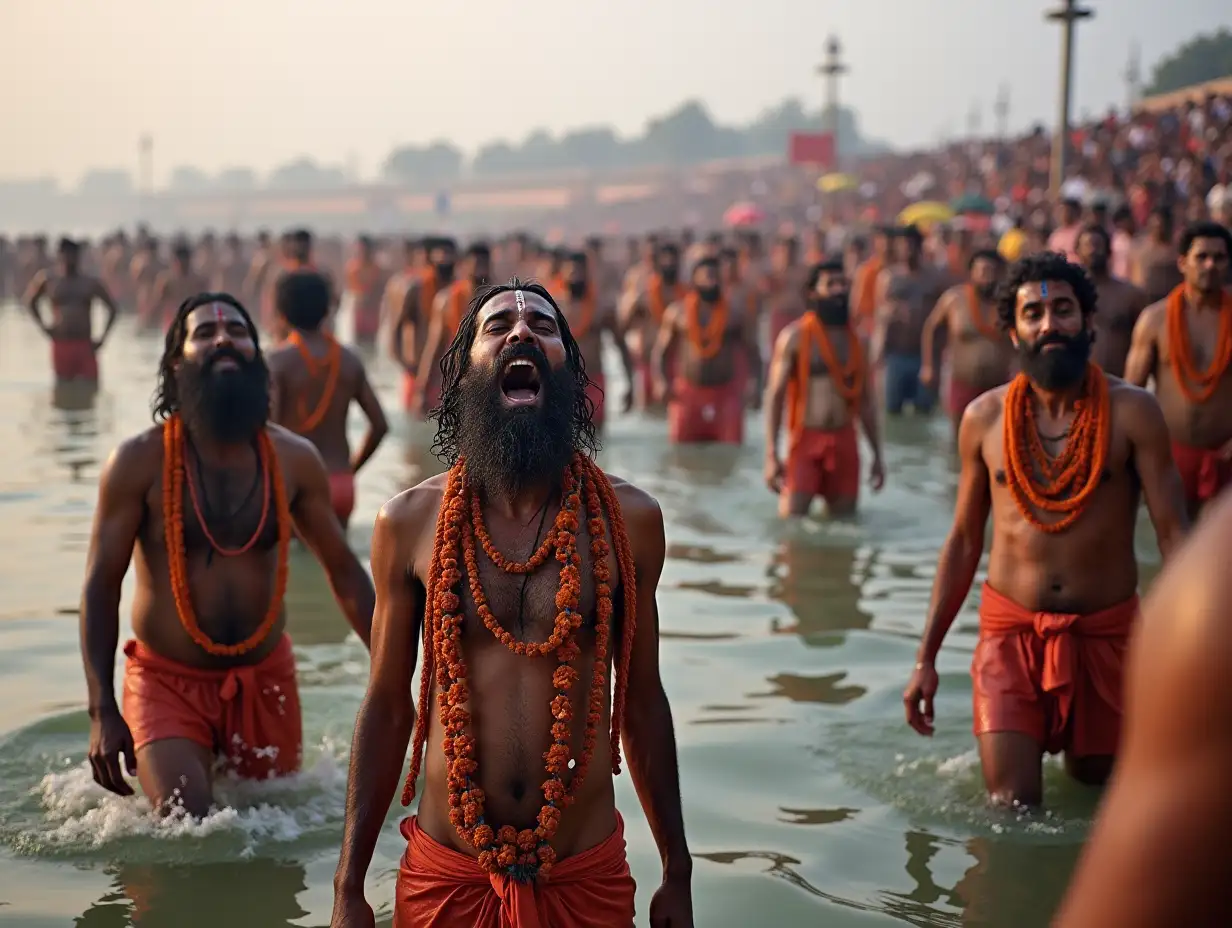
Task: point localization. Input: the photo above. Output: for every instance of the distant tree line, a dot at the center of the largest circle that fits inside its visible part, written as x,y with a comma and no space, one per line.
1204,58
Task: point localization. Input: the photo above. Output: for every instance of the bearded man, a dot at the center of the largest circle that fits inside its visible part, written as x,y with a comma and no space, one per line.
524,549
1060,457
209,497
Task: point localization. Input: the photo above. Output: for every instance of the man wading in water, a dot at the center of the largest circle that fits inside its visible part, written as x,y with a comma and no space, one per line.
524,661
1060,456
208,498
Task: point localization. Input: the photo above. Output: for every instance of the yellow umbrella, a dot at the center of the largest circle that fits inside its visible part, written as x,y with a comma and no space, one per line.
925,213
836,183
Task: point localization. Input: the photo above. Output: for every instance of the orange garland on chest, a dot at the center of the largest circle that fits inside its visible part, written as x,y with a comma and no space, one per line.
332,365
706,341
523,855
1066,483
1197,386
175,478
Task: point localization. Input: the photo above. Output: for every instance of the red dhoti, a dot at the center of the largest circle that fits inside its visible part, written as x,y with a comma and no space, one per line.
1203,472
824,463
1058,678
439,887
959,395
250,715
597,392
706,414
342,494
74,359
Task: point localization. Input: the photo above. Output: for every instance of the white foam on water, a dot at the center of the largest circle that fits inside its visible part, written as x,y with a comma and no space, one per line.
80,815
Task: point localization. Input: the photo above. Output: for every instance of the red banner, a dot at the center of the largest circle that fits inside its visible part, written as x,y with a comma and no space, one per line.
815,148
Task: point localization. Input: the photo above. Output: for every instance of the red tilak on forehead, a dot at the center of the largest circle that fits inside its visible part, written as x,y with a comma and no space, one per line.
219,316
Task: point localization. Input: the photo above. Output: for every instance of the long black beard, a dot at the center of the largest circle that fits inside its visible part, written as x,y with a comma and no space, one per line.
230,406
833,311
1056,370
507,449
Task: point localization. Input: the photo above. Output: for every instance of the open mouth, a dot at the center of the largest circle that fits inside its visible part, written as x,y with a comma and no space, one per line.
224,364
520,382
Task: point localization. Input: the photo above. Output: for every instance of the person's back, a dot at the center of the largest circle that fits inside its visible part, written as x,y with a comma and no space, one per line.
315,379
1157,854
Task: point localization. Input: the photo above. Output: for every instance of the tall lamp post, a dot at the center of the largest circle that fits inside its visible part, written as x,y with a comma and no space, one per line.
832,68
1067,16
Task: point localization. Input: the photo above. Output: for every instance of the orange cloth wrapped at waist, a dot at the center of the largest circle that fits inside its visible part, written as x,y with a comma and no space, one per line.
342,494
1057,677
706,414
249,714
439,887
74,359
825,463
1203,472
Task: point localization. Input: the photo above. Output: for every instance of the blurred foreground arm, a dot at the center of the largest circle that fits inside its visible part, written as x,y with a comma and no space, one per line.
1157,853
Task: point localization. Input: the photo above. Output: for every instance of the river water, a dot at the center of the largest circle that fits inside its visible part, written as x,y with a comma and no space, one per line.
785,649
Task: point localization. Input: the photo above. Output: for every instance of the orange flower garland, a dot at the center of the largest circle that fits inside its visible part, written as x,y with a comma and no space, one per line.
332,364
984,324
709,340
657,300
848,378
1069,480
1197,386
174,479
526,854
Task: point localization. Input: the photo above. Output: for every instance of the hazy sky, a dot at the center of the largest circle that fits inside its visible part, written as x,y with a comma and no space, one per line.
219,83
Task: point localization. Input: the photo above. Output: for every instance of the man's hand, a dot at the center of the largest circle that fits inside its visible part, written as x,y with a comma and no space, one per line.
876,475
918,697
672,904
109,738
773,473
1225,451
662,389
351,910
626,403
926,374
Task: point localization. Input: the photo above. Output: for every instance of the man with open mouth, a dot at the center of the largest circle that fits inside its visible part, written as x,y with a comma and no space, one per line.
523,549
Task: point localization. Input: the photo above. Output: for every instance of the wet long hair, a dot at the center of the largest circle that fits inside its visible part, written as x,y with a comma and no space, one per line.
457,361
166,399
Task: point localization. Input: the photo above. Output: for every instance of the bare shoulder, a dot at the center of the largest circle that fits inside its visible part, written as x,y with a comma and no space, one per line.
294,449
986,409
1150,320
135,463
404,518
640,510
789,336
1135,408
351,361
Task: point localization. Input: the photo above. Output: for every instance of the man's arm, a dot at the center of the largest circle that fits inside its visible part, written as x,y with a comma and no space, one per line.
378,427
35,292
436,332
408,317
650,741
314,517
869,419
1143,355
103,295
1162,490
964,546
782,363
117,520
1157,854
387,715
940,316
665,341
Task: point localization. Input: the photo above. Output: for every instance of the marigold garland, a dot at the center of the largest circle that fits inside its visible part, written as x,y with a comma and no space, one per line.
706,341
985,323
657,301
174,478
1197,386
332,366
1066,483
526,854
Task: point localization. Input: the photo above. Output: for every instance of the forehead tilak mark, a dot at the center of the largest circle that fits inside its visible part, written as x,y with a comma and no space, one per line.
1044,289
520,299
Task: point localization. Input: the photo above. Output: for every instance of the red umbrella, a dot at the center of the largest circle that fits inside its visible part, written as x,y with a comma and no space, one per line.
743,214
